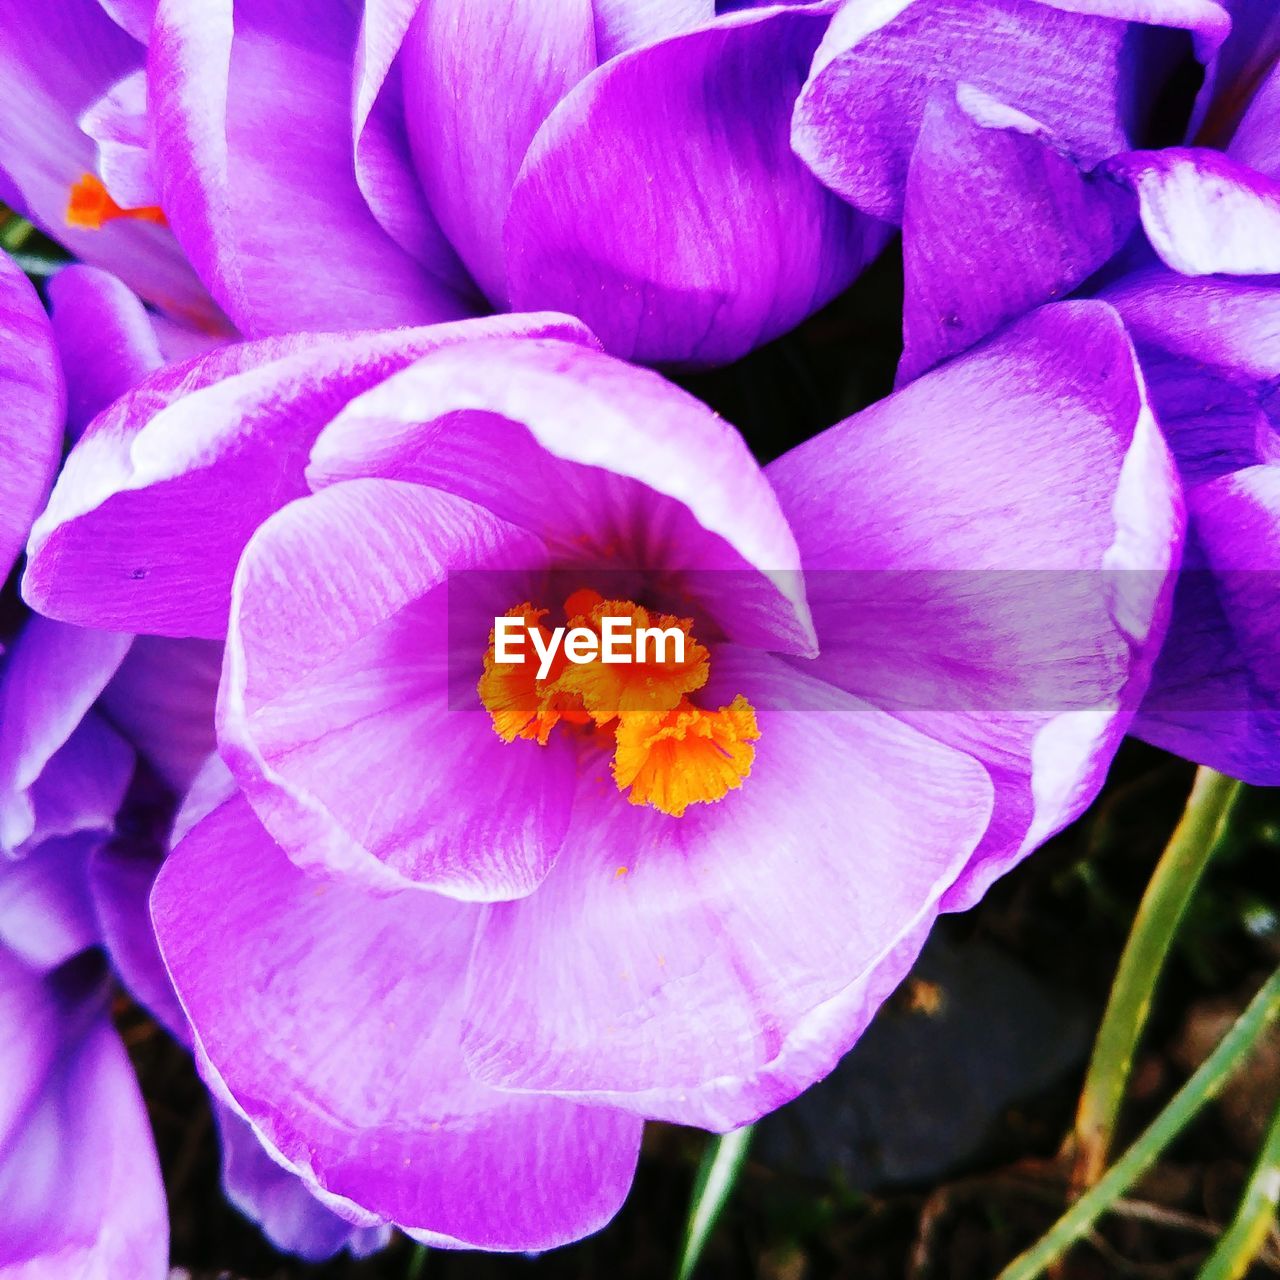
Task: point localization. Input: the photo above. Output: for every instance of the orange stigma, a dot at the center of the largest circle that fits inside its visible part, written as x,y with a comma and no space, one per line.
631,690
91,207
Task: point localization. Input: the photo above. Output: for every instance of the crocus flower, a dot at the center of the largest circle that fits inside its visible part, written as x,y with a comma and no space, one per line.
329,166
57,61
1002,211
485,926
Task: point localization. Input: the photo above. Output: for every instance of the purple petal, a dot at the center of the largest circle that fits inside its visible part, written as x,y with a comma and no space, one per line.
334,1024
337,697
154,505
384,165
78,1171
46,912
605,462
56,60
118,124
857,119
468,142
677,222
279,1202
133,16
105,337
34,404
1205,212
998,219
253,153
942,593
677,986
162,701
120,877
50,678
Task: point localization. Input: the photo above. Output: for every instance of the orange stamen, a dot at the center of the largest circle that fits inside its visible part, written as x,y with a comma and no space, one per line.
668,753
687,756
91,207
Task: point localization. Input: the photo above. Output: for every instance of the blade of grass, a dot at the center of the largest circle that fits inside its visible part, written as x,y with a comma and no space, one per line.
1244,1239
1198,836
417,1263
717,1175
1206,1083
15,232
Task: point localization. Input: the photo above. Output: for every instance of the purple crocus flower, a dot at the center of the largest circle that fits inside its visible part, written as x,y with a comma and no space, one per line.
482,929
1002,210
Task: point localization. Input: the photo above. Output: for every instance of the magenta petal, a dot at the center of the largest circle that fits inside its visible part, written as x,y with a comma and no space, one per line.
334,1025
1205,212
998,219
941,592
362,749
651,973
50,678
79,1177
34,403
154,505
603,461
468,141
253,154
105,337
680,226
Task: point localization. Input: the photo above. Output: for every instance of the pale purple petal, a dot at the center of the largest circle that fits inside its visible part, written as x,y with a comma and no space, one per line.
133,16
468,141
679,224
998,219
118,124
105,337
154,505
676,980
253,154
1205,212
334,1024
34,402
924,517
609,464
50,678
338,712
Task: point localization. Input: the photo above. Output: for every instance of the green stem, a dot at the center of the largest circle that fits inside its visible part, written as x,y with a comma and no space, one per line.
1242,1241
1197,838
1204,1085
717,1175
417,1263
14,233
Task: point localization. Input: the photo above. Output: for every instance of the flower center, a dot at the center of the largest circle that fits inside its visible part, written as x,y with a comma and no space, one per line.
91,207
631,691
